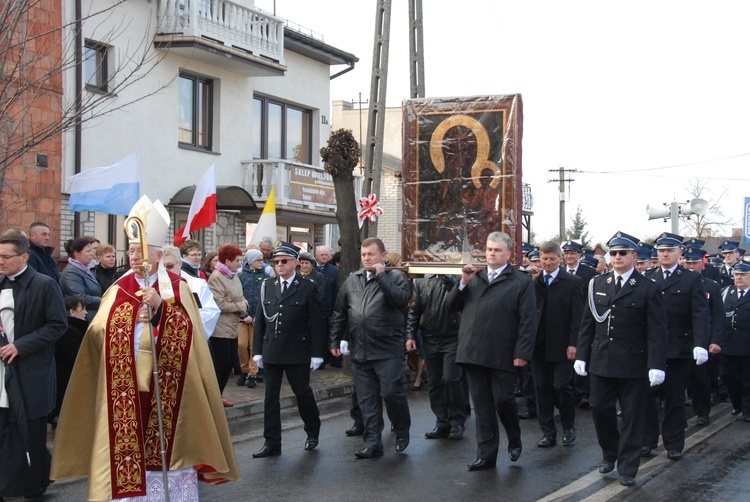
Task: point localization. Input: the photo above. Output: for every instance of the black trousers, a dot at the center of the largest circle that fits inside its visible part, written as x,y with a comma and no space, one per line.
17,478
373,379
673,393
623,445
223,353
447,399
298,376
700,386
554,388
493,394
737,379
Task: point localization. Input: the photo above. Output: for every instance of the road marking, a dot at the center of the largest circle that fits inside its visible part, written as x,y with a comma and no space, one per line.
647,470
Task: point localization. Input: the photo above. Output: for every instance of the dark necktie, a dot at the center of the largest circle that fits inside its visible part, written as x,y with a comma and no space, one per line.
742,293
547,279
283,287
618,284
570,270
667,273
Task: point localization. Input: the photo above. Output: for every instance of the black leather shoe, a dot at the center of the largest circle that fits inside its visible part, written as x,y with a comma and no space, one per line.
584,404
525,415
606,467
547,441
457,432
437,433
368,453
674,455
311,442
481,464
514,453
627,480
241,379
401,444
736,412
250,382
267,451
356,430
646,451
569,437
703,420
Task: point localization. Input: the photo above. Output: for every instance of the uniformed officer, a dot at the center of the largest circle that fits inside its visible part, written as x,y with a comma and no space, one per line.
622,343
688,322
643,262
736,349
290,337
702,375
730,251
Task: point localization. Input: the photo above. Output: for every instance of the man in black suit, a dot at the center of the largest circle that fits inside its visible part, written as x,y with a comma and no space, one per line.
496,336
688,324
701,377
623,344
736,350
572,253
730,252
559,304
290,338
33,318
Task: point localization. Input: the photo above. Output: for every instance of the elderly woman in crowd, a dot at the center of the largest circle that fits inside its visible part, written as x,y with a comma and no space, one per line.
106,270
227,290
77,279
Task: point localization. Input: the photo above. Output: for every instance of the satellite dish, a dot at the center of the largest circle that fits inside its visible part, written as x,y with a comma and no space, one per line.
697,206
658,211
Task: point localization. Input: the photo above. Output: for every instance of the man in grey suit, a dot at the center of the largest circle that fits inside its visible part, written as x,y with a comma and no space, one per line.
623,345
290,337
496,336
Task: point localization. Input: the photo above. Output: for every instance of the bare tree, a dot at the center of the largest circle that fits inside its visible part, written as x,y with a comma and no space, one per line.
714,222
34,55
340,158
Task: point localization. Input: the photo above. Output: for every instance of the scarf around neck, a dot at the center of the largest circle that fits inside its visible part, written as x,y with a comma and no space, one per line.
225,271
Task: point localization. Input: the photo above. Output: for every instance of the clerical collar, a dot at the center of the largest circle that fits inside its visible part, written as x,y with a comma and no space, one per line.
151,280
15,276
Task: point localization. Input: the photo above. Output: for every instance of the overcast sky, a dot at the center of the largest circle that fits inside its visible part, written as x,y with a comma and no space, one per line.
638,96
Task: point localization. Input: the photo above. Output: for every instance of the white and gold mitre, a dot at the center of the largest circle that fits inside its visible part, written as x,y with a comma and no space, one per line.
155,218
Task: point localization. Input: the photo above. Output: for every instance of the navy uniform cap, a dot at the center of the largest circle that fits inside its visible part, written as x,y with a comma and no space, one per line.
668,241
526,248
534,254
622,241
729,246
693,254
654,254
741,252
741,268
716,260
572,246
693,242
590,260
286,249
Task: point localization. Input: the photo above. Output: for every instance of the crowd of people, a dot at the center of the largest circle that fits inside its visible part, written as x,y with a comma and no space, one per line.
635,337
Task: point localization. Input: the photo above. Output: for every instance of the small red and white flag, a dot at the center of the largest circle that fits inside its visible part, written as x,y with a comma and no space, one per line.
202,212
369,209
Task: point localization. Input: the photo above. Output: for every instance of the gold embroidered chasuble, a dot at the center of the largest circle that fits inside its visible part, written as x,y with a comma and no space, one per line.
107,427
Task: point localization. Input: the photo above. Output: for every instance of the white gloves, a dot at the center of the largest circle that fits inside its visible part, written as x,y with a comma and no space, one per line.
580,368
700,355
655,377
258,360
344,347
315,362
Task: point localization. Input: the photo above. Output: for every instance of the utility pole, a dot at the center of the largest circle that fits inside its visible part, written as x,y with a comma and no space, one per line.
376,117
416,49
361,138
562,180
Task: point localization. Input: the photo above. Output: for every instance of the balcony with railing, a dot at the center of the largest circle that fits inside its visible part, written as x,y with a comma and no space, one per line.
297,185
229,32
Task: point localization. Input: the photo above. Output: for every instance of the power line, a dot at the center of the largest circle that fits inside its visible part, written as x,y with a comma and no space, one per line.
669,167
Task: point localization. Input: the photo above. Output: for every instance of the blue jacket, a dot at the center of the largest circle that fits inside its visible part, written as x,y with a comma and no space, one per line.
251,281
40,259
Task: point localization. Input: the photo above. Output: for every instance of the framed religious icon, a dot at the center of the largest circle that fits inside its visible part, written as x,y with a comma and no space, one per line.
461,176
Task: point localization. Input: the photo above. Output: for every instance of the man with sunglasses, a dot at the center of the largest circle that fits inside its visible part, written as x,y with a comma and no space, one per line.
622,344
290,337
688,322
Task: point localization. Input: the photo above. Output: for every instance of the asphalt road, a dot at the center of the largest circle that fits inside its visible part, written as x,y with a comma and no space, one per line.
714,467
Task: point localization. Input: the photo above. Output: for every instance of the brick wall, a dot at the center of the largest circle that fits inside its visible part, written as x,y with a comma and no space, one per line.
389,225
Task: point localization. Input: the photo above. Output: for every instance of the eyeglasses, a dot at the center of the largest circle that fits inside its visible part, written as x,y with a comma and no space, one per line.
5,257
283,262
195,255
622,252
